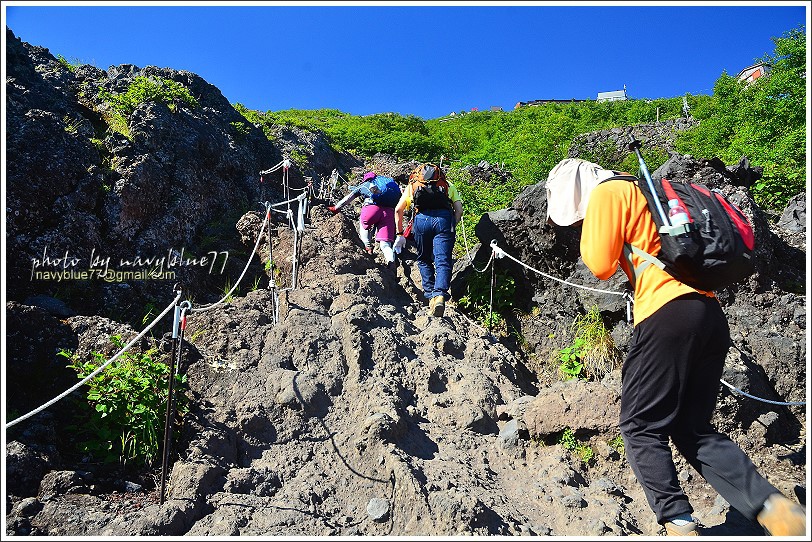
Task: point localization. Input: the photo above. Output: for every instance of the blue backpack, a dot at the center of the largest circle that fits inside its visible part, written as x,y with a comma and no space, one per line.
389,194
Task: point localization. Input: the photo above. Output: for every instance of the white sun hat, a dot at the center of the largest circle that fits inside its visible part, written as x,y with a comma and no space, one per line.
568,188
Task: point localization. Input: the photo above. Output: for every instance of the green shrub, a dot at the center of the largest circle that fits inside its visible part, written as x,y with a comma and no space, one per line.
71,65
571,365
592,353
127,405
477,299
241,128
299,158
571,443
117,123
617,444
146,89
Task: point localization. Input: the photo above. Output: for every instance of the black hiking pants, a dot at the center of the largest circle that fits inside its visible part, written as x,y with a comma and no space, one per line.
670,384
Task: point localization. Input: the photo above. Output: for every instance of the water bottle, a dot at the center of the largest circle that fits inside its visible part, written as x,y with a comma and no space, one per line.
676,213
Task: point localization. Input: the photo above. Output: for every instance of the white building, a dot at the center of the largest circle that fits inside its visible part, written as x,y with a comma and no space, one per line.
751,73
612,96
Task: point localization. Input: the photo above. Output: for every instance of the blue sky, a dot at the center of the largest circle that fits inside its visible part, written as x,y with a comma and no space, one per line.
425,59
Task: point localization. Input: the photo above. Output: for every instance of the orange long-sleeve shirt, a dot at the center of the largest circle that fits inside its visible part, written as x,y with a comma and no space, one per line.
617,213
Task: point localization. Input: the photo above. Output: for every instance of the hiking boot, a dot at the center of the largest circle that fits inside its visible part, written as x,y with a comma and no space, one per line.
782,516
437,305
688,529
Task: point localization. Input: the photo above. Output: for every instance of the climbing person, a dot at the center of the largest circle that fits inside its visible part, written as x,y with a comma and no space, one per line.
438,209
381,194
671,375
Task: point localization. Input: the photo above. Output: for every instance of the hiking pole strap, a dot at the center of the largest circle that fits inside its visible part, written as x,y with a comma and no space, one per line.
648,259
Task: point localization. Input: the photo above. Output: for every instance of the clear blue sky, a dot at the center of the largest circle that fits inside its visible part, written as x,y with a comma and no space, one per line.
423,59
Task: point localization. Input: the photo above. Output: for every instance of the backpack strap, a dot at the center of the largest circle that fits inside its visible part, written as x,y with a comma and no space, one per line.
630,178
648,259
629,249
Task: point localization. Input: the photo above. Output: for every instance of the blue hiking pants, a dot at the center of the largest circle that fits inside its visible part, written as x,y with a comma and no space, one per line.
434,238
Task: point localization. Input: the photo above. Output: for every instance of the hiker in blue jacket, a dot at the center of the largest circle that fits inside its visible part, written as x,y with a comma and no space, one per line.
381,194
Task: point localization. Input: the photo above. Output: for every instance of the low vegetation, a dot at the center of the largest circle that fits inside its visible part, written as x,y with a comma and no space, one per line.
119,106
592,354
122,418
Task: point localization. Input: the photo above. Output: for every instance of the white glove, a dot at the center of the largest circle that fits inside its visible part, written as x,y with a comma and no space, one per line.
400,242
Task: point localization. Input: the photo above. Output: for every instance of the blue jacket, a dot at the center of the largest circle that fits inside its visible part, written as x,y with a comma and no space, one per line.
389,191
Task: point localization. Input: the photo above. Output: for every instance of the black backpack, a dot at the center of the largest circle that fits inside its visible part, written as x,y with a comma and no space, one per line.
712,251
429,188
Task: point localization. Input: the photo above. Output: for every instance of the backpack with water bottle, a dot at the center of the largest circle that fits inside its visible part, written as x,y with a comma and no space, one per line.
707,242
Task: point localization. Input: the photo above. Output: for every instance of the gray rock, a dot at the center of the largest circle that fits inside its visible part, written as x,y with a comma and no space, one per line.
378,509
793,218
28,507
57,483
509,434
53,306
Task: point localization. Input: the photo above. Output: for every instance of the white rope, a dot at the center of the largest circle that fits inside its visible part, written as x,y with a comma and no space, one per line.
253,252
273,168
468,251
297,198
499,253
737,390
101,367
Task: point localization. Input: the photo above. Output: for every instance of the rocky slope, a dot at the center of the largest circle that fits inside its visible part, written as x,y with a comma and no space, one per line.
357,413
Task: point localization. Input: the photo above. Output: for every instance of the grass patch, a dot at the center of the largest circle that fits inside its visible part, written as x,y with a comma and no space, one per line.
592,354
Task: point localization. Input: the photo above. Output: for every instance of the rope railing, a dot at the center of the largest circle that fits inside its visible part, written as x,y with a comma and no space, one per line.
288,201
248,263
99,369
277,167
500,253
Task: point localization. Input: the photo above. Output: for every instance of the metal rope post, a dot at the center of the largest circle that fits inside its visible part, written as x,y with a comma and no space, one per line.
178,327
285,179
490,305
167,419
271,280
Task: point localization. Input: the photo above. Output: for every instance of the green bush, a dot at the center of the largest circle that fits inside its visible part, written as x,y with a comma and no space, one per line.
71,65
568,440
592,353
571,356
403,136
124,416
764,120
146,89
617,444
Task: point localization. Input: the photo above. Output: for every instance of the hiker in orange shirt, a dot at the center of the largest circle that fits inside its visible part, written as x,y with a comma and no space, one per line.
670,378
